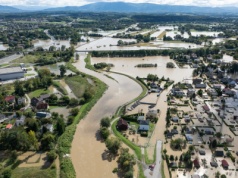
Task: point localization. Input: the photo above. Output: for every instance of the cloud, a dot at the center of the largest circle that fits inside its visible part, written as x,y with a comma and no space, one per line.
212,3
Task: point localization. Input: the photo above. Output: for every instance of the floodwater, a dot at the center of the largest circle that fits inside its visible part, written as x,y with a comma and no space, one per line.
88,151
127,66
3,47
55,68
45,44
226,58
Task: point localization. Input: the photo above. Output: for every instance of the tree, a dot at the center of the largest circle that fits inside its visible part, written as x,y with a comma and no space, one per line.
19,89
104,133
73,102
7,173
170,65
200,92
105,122
223,176
218,134
47,141
43,73
113,145
33,139
214,143
60,126
62,70
51,155
77,56
74,111
171,158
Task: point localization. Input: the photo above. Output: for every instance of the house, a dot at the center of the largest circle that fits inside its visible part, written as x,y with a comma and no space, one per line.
151,114
43,97
175,119
10,99
190,92
174,131
219,153
202,152
187,118
214,164
144,122
228,92
20,121
41,115
206,108
169,134
212,92
49,127
21,101
232,84
143,128
189,137
9,126
139,118
179,93
197,81
42,105
217,86
196,163
122,124
224,164
201,85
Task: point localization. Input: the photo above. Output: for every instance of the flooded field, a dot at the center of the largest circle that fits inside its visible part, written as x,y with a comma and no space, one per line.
45,44
127,66
55,68
88,151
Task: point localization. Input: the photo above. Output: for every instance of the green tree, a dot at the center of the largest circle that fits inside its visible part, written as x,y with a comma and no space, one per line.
74,111
73,102
33,139
104,133
113,145
105,122
51,155
19,89
7,173
63,70
47,141
60,126
200,92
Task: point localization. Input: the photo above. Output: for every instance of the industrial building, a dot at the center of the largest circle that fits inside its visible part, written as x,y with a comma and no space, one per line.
11,73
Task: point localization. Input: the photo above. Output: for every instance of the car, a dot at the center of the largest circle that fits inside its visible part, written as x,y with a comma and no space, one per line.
151,167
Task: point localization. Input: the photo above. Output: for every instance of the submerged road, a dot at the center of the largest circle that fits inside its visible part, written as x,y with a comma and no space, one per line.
88,152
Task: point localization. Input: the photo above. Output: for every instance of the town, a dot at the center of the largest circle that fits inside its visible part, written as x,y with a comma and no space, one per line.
147,96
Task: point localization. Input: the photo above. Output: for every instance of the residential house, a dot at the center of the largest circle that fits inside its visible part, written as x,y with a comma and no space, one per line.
202,152
169,134
179,93
144,122
228,92
144,126
42,106
49,127
43,97
9,126
10,99
41,115
232,84
190,92
196,163
174,131
151,114
187,118
217,86
175,119
201,85
20,121
206,108
219,153
224,164
122,124
21,101
212,92
139,118
197,81
189,137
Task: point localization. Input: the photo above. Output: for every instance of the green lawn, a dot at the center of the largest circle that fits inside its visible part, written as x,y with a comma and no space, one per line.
38,92
79,85
35,172
26,59
59,87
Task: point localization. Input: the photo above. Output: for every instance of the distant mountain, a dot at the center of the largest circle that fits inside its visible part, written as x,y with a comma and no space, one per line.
144,8
9,9
32,8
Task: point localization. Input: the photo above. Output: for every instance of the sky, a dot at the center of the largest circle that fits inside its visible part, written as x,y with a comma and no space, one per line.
60,3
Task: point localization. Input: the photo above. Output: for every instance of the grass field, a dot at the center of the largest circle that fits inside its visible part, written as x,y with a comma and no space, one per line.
79,85
30,58
39,92
59,87
35,172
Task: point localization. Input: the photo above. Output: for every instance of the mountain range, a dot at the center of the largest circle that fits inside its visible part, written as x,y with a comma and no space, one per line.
128,8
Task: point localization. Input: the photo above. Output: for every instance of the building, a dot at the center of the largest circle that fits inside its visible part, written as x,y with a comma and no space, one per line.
224,164
122,124
41,98
11,73
42,106
190,92
43,115
9,126
196,163
10,99
200,85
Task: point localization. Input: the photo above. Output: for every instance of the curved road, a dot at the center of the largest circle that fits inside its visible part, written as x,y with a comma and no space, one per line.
88,152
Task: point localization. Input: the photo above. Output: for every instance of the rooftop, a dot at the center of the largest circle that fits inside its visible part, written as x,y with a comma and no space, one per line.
10,70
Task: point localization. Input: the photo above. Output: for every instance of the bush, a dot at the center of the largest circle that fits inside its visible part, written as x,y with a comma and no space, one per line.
73,102
51,156
104,133
74,111
7,173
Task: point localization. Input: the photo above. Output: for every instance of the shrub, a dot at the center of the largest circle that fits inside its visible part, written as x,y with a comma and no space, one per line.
51,155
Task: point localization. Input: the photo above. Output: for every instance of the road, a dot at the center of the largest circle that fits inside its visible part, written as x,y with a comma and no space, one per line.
10,58
157,169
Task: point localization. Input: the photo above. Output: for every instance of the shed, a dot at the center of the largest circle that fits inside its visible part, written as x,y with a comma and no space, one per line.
11,73
122,124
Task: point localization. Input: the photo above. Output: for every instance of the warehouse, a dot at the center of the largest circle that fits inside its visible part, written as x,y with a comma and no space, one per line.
11,73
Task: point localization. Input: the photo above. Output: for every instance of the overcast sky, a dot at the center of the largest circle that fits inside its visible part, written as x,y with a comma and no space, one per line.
83,2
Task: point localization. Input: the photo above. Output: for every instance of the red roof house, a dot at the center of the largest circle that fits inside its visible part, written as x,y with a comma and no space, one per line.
122,124
206,108
225,164
9,126
10,99
42,105
196,163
